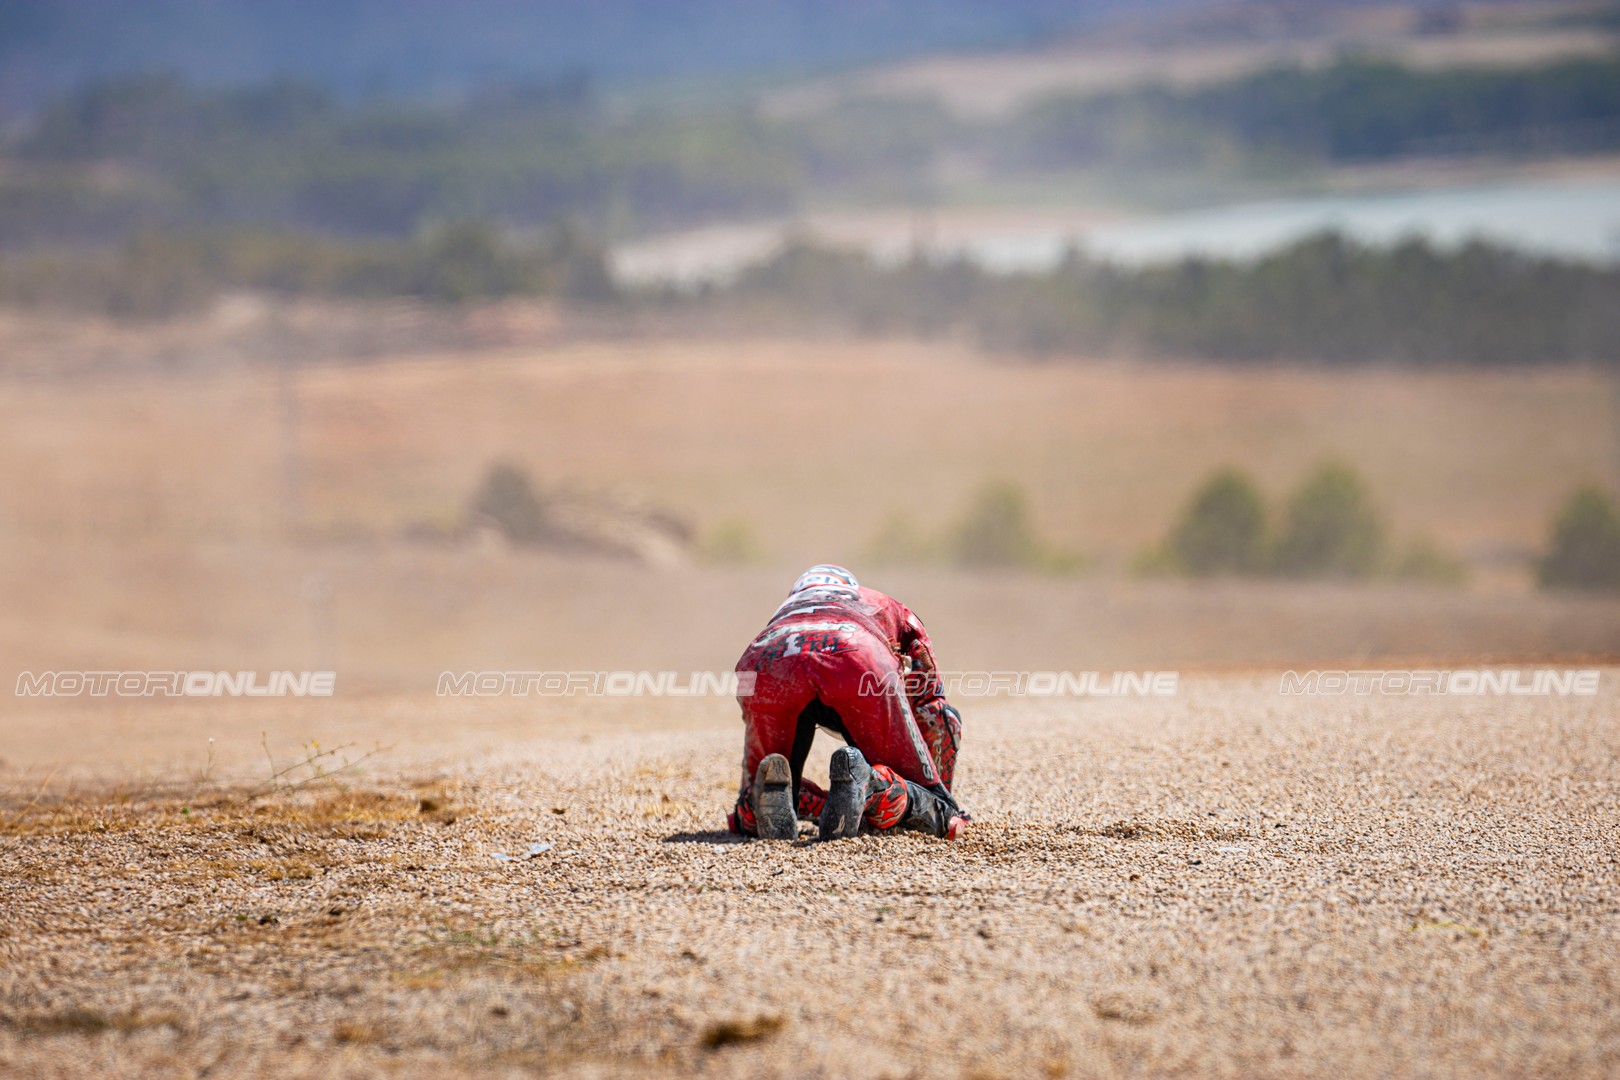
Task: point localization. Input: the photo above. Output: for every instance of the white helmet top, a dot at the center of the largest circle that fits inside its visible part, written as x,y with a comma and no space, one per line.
818,577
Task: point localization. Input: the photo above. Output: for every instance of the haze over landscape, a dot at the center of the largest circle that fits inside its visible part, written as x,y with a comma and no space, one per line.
1206,338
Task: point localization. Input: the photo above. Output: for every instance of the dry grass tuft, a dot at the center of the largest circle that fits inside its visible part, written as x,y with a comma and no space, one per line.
1128,1007
338,813
436,806
730,1032
355,806
77,818
350,814
284,869
358,1033
80,1021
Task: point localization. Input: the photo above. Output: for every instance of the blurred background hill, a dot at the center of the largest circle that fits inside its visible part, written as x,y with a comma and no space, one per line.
180,115
371,48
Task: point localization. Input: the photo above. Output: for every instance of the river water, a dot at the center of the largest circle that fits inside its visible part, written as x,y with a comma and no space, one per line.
1573,218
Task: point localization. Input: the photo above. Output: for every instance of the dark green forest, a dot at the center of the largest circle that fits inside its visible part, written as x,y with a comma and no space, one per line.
157,275
1356,110
154,152
1325,298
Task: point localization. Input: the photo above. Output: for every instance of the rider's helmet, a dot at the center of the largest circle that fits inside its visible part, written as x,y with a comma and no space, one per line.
818,577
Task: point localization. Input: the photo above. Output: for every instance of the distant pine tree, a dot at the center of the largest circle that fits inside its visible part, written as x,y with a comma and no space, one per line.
1585,548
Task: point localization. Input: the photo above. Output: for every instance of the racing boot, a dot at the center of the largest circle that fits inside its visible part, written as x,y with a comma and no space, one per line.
846,798
774,818
930,812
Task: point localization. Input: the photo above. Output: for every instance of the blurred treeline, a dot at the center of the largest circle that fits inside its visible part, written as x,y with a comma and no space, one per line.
1323,298
155,275
1353,111
154,152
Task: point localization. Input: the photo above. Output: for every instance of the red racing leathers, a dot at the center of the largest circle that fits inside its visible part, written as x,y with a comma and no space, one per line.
860,664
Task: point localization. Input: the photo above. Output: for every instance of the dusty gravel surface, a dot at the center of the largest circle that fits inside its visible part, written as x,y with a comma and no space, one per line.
1228,883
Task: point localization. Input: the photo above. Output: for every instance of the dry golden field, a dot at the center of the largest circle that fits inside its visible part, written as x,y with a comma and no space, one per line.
811,446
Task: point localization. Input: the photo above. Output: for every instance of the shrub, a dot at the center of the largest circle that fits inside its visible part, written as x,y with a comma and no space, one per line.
1224,528
506,497
460,261
996,530
1426,561
1331,529
1155,561
1585,549
730,542
898,542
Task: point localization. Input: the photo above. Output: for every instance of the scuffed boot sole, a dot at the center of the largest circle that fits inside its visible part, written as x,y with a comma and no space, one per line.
774,817
846,798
